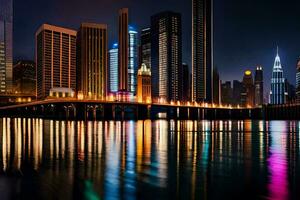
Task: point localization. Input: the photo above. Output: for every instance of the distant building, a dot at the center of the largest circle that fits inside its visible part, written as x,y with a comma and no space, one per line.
237,92
144,84
6,46
298,82
185,77
290,92
259,86
113,69
123,49
216,87
277,93
146,47
92,60
247,96
166,56
202,50
132,60
24,77
55,59
226,93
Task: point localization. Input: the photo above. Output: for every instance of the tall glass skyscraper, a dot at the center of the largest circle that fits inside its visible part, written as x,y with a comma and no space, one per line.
132,59
6,45
202,50
113,68
277,93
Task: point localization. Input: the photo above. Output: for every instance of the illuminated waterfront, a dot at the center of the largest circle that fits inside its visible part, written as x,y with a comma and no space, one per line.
47,159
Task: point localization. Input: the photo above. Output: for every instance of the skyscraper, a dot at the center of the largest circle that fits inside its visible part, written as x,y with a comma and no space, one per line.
166,56
298,82
92,60
277,93
132,59
146,47
202,50
55,59
259,86
144,84
6,46
113,68
247,96
123,49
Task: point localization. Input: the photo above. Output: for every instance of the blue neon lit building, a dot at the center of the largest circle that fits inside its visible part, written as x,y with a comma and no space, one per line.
113,68
132,60
277,93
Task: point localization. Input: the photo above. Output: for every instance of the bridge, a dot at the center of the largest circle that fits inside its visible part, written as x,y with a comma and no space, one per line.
122,110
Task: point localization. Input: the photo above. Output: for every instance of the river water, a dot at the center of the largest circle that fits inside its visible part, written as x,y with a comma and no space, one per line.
48,159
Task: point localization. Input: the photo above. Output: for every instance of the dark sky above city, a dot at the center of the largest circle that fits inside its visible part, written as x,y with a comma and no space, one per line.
246,31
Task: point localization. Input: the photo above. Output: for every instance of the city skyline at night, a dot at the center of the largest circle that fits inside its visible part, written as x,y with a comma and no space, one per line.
231,20
150,99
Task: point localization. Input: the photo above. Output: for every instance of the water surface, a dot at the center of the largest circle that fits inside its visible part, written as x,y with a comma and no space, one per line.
48,159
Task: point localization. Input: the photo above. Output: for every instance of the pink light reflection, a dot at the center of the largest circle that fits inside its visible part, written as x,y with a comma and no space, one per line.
277,162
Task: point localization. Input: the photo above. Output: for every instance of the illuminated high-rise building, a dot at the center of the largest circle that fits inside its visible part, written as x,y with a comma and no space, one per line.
298,82
146,47
202,50
123,49
277,93
247,96
132,59
55,59
6,46
166,56
113,68
259,86
92,60
144,84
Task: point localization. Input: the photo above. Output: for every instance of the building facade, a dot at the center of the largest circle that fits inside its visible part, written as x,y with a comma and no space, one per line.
146,47
24,77
202,50
277,93
6,46
259,86
166,56
132,59
123,49
92,60
144,84
55,59
113,69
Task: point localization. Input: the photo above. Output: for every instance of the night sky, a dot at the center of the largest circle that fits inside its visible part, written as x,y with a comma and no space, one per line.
246,31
